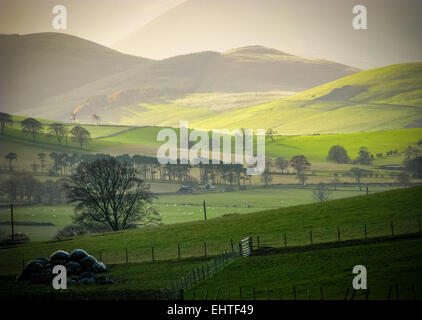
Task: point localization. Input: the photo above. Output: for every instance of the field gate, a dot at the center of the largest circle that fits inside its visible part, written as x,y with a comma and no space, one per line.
245,247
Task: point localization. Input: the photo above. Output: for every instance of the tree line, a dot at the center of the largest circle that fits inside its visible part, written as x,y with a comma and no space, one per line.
34,128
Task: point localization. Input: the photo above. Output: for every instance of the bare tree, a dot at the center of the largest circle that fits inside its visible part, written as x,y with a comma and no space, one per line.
302,178
266,178
270,133
282,164
358,174
73,116
58,130
108,192
31,126
321,193
300,164
96,118
80,135
5,121
10,157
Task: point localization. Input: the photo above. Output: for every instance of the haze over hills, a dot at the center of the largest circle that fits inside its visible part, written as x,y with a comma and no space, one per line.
305,28
39,66
51,75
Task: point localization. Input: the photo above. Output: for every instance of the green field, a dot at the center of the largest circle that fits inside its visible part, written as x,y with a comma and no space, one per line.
179,208
386,263
376,211
144,141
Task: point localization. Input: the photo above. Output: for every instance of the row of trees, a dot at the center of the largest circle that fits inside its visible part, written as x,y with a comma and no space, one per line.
339,154
299,163
60,131
25,187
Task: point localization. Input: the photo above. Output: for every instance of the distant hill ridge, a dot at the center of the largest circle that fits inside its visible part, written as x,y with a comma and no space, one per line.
51,74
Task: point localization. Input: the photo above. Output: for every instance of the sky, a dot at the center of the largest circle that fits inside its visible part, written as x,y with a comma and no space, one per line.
162,28
101,21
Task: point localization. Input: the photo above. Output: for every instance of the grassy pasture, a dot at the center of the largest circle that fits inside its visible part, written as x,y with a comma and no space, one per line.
178,208
387,263
376,211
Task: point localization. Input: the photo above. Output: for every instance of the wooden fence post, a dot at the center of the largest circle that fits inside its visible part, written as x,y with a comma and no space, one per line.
178,251
205,211
346,294
12,221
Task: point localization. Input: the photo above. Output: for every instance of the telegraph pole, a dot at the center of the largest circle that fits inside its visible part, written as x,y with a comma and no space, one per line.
12,222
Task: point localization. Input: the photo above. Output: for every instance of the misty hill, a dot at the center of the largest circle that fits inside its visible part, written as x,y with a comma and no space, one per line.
53,74
306,28
38,66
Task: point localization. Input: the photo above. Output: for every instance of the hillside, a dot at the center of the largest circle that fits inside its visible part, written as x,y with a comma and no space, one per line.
53,74
306,28
377,99
118,96
376,211
40,66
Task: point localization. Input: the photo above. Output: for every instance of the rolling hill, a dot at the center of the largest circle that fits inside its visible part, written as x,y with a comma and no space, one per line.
52,74
372,100
42,65
306,28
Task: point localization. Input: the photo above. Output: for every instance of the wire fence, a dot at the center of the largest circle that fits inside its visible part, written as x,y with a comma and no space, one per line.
301,236
390,292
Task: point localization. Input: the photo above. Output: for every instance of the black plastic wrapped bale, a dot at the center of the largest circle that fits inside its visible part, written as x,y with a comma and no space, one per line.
77,255
34,266
99,267
59,257
73,267
87,262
